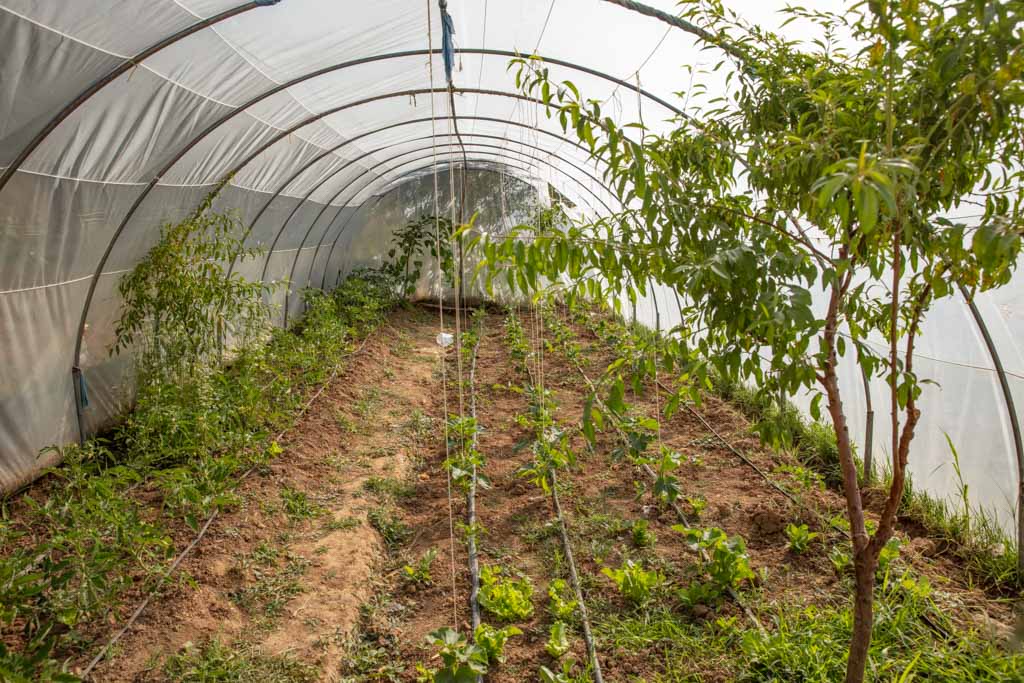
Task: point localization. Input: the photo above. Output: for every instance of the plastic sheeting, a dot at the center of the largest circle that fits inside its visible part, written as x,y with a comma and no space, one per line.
323,113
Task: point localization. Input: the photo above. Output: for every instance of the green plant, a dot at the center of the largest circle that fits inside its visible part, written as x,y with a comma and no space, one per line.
464,459
853,151
72,554
218,662
697,505
461,661
506,598
634,582
558,640
492,641
410,243
393,530
34,666
564,675
562,601
180,303
807,478
840,559
727,563
419,572
641,534
799,537
297,504
666,484
889,554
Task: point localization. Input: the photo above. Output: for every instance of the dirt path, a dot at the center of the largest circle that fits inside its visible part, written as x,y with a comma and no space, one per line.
282,578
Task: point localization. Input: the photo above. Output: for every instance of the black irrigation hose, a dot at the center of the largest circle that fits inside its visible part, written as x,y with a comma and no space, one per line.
206,526
588,636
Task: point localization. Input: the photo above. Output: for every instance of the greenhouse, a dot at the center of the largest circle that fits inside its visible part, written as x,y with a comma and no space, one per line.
462,340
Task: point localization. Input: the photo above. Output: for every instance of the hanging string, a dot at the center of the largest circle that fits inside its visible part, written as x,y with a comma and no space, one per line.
440,313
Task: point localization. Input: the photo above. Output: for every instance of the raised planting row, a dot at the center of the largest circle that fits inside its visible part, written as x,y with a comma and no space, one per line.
103,530
802,579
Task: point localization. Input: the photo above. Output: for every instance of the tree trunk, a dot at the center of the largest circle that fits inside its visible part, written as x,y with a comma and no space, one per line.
863,615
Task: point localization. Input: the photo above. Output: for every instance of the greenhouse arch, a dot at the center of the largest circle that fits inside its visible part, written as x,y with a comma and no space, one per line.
588,140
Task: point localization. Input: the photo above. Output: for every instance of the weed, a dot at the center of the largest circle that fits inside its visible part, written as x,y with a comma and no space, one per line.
799,538
506,598
345,423
389,488
342,524
634,582
809,644
841,559
273,589
393,530
697,505
807,479
218,662
298,506
418,573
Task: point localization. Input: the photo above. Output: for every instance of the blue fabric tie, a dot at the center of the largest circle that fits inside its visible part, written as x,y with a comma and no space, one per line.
447,42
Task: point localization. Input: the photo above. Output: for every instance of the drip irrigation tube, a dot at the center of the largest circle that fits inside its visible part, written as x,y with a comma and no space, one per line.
474,560
574,578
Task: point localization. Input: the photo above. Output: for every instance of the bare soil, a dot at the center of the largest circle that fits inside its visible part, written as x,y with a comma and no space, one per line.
373,444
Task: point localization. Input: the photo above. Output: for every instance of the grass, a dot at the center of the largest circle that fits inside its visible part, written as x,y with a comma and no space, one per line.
982,547
913,640
216,662
391,528
273,589
298,506
389,488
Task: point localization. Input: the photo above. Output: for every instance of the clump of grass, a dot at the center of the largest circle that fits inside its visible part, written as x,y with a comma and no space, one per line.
907,643
298,506
392,530
218,661
273,589
389,488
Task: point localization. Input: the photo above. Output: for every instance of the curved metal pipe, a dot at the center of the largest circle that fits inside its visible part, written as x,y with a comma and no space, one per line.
462,146
373,151
301,79
93,283
277,193
120,69
496,137
1011,410
334,243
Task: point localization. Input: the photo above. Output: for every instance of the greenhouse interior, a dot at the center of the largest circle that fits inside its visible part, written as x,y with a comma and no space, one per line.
558,340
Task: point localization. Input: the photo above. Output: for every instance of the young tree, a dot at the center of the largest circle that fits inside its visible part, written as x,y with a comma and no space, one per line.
825,167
